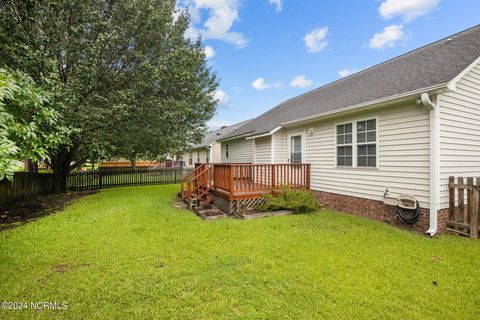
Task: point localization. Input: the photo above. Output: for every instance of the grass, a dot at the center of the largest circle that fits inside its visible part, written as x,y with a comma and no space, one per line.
127,253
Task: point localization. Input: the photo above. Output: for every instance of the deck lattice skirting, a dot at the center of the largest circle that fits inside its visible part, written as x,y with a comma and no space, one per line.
236,207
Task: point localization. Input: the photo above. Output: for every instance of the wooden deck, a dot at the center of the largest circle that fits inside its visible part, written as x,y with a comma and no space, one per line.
237,181
240,181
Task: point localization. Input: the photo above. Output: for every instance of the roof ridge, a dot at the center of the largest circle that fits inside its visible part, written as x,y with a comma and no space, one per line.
378,65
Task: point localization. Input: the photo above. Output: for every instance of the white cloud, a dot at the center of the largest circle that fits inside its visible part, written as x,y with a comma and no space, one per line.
278,4
316,40
347,72
387,38
261,84
221,16
301,81
222,98
209,52
408,9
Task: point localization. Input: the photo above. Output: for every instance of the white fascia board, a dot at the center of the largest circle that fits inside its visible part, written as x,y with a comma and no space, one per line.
371,104
234,138
269,133
452,85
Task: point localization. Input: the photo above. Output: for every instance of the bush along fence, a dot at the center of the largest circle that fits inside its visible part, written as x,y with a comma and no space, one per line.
463,206
25,185
109,178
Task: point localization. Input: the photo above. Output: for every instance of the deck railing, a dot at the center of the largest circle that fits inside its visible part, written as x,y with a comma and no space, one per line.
237,179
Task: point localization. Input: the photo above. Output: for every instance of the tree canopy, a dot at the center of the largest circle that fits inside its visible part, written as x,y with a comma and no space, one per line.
24,115
120,74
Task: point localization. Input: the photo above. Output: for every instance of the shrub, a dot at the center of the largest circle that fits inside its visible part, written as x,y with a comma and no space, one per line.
299,201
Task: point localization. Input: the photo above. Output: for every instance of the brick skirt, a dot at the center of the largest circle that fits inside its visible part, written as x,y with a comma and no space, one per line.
377,210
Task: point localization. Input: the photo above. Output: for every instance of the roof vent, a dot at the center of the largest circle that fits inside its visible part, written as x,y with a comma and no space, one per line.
223,127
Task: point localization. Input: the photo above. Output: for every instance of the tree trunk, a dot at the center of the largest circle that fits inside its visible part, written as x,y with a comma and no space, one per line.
30,166
61,167
134,163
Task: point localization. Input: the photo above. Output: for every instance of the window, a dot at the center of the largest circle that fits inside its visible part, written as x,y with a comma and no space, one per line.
367,143
198,156
226,151
190,159
357,141
344,145
296,149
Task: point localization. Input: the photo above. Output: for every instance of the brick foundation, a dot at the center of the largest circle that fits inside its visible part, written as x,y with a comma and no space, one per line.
377,210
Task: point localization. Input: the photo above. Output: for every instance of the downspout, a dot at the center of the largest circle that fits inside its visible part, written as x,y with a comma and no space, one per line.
434,160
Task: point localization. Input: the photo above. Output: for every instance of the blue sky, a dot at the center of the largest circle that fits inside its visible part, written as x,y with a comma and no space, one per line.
268,51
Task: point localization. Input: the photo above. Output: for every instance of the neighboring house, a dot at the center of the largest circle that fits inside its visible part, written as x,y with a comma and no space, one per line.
405,124
209,150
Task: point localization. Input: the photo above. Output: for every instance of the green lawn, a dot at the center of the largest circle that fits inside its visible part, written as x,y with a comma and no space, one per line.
127,253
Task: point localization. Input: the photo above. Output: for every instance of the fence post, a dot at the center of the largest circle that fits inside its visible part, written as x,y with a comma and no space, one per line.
451,198
175,175
100,182
474,210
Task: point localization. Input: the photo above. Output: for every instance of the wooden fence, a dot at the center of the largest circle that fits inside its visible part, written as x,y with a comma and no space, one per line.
98,179
463,206
24,185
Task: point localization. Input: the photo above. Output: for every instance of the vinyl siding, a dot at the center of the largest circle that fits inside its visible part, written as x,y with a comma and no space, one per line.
203,157
216,152
280,150
240,150
460,132
263,150
402,155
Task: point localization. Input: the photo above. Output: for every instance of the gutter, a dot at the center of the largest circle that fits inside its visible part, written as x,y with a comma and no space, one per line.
370,104
434,159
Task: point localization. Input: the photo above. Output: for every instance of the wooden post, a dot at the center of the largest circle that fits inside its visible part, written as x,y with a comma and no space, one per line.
273,176
232,180
466,217
474,210
100,182
461,199
451,199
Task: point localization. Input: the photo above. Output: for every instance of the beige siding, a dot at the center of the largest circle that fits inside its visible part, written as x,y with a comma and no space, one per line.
460,132
280,147
216,152
240,150
403,156
263,150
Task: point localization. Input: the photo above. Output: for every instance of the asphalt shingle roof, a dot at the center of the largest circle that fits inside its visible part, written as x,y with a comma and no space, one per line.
213,136
431,65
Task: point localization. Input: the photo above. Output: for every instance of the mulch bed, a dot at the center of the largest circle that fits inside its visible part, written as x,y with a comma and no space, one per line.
23,211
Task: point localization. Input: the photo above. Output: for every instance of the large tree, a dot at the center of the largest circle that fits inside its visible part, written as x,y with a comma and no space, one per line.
114,69
24,118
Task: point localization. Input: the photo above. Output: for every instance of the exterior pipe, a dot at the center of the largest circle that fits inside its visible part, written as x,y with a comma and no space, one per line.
434,160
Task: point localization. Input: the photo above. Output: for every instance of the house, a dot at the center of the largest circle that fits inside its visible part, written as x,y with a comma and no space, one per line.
400,127
208,151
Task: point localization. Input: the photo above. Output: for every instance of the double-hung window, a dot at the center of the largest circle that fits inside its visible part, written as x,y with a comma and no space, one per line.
344,145
367,143
357,144
198,156
190,159
226,151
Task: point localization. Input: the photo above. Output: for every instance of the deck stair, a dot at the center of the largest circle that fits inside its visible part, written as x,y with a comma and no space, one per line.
197,186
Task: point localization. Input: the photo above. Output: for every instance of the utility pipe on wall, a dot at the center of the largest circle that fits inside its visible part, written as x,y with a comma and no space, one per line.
434,160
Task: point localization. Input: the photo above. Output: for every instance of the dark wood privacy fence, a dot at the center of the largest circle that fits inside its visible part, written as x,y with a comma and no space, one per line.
463,206
98,179
24,185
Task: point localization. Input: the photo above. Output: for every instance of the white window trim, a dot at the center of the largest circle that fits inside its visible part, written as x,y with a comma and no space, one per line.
304,142
355,145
